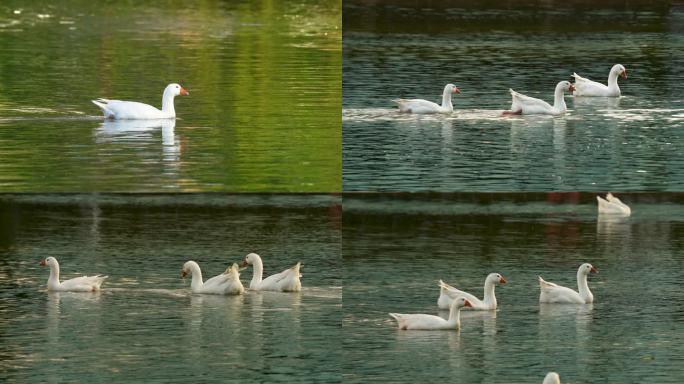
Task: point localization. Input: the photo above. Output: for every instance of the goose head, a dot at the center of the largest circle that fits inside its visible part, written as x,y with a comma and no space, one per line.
176,90
495,278
249,259
566,86
50,261
461,302
619,69
551,378
587,268
452,88
187,268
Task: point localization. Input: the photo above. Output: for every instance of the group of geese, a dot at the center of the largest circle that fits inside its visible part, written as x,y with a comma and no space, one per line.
526,105
227,283
454,299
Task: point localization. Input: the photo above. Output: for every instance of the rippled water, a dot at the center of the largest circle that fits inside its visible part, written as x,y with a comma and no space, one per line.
631,143
396,248
145,325
263,112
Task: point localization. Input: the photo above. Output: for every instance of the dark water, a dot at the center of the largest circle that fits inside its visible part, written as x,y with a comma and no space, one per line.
396,248
632,143
145,325
263,112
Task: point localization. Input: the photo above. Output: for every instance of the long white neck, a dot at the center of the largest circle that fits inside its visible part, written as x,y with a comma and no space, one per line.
167,103
559,99
455,316
446,100
197,281
258,271
53,280
583,287
489,297
612,80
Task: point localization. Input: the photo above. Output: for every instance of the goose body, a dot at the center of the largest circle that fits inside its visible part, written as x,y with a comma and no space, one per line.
285,281
227,283
612,205
554,293
124,110
77,284
526,105
425,322
447,294
586,87
420,106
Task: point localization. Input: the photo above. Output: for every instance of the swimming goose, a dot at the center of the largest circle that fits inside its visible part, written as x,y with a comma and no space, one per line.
554,293
421,106
447,294
77,284
586,87
121,110
430,322
526,105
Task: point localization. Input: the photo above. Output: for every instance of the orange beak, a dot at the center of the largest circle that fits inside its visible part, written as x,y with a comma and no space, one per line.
466,303
244,264
456,90
572,88
183,92
502,280
594,270
183,274
42,262
624,74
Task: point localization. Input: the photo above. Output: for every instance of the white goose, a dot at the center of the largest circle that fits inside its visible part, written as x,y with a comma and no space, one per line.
421,106
612,205
227,283
553,293
526,105
285,281
117,109
586,87
430,322
77,284
552,378
447,294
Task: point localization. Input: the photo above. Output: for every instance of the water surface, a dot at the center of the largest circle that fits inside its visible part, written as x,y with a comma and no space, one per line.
630,143
396,248
263,112
145,325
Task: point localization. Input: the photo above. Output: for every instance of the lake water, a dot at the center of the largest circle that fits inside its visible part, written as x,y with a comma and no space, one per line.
263,112
396,248
145,325
632,143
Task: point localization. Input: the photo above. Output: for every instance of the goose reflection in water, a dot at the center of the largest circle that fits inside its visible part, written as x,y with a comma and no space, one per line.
143,133
595,103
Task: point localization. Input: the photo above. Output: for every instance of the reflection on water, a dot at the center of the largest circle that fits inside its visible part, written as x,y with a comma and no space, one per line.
586,105
396,247
627,143
146,324
143,134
